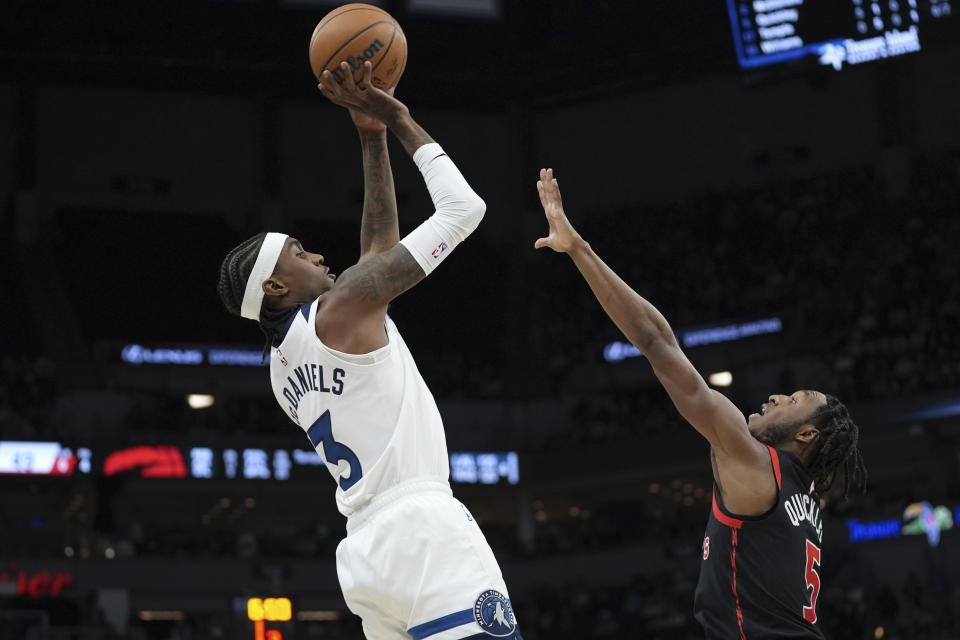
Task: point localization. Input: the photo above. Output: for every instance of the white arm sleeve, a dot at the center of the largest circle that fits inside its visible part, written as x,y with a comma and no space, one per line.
458,209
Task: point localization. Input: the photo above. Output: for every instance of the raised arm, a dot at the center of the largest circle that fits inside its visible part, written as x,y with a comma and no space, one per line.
379,230
741,463
352,312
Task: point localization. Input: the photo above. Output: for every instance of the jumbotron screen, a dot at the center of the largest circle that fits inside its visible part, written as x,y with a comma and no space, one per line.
836,33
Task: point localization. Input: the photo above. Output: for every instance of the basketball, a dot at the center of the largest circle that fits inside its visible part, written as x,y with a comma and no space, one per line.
355,33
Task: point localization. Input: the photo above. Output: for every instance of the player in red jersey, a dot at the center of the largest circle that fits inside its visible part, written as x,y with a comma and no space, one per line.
762,550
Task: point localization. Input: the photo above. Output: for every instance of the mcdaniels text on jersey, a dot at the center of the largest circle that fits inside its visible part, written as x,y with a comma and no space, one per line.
307,378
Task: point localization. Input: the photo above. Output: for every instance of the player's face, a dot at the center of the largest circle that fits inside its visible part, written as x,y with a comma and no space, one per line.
780,413
304,273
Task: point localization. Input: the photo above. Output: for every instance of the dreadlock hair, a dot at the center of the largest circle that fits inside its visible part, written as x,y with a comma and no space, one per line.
837,449
234,271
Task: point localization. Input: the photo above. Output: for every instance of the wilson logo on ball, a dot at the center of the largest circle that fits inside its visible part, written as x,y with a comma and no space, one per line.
356,62
356,33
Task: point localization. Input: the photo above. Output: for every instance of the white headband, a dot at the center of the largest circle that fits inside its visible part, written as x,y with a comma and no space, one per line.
262,269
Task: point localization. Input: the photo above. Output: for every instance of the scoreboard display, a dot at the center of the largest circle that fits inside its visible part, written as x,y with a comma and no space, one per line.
835,33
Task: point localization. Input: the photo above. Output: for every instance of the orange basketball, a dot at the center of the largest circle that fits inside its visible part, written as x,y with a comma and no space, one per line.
355,33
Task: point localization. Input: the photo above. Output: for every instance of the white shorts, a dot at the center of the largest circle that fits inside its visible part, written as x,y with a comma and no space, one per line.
415,565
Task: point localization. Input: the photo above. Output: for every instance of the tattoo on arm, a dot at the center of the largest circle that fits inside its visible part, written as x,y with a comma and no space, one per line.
381,278
379,230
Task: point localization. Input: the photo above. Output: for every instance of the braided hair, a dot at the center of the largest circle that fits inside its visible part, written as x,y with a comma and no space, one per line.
837,449
234,271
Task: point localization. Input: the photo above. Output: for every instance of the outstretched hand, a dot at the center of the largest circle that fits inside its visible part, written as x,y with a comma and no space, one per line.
371,109
561,236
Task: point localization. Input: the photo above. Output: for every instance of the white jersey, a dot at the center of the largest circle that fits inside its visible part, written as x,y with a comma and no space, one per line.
370,417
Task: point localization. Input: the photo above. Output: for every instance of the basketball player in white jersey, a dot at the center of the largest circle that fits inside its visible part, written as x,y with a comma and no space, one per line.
414,564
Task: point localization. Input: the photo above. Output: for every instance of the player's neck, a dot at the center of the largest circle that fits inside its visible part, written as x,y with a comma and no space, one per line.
802,452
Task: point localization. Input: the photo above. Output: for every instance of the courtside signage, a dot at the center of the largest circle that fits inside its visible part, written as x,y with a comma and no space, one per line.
203,462
701,337
919,518
192,356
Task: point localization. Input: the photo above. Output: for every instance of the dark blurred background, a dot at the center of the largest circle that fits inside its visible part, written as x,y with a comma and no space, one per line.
139,141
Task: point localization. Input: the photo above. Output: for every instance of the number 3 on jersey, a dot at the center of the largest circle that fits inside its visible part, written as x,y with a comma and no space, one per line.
321,432
813,581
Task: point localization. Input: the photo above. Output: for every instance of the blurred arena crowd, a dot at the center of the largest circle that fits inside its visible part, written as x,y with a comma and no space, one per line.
865,283
862,283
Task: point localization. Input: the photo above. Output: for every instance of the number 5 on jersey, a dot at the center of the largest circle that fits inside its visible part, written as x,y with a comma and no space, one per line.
321,432
813,582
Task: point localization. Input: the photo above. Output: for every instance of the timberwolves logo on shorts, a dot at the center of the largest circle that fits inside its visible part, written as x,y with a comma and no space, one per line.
494,615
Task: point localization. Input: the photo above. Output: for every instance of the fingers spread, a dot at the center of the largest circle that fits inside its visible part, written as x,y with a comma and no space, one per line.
328,85
367,75
348,82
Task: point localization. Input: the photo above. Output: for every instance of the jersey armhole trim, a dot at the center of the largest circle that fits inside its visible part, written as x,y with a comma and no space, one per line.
733,523
737,522
369,359
775,460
